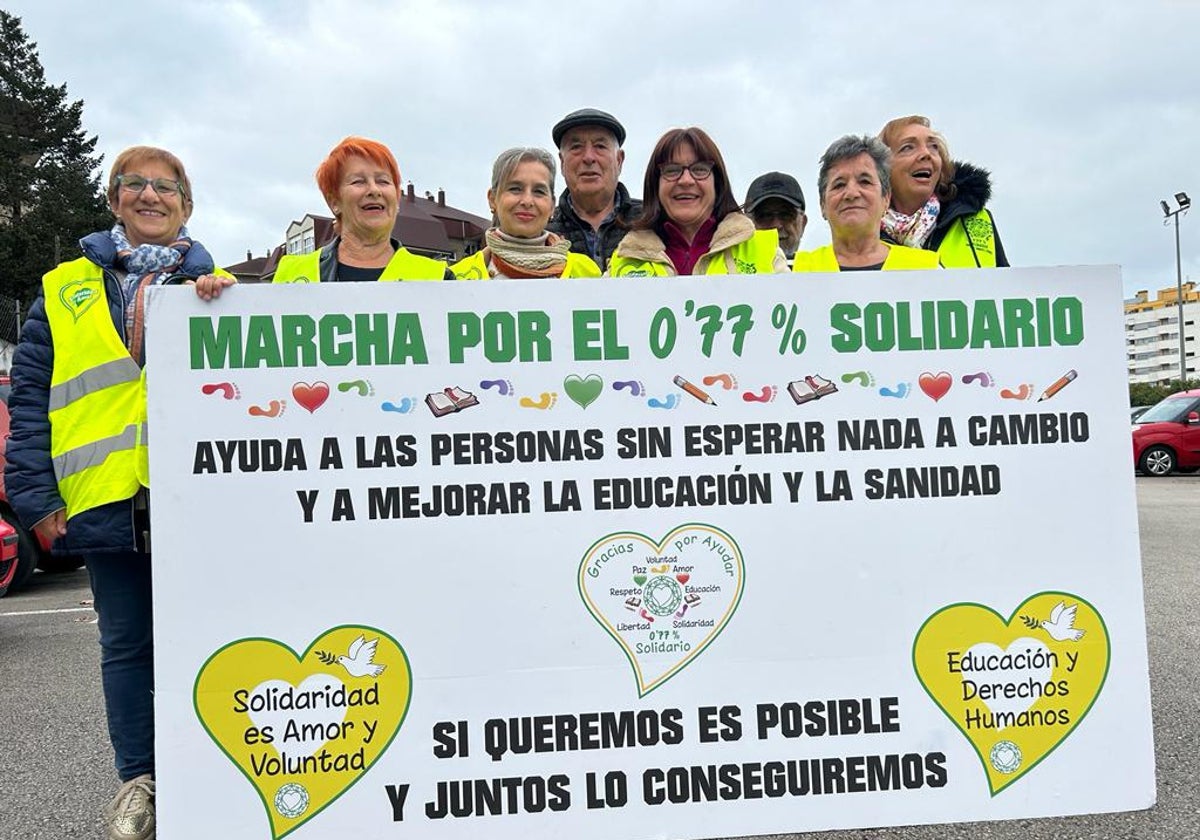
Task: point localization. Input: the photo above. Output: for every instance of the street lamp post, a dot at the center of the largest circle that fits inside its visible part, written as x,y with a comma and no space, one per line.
1181,198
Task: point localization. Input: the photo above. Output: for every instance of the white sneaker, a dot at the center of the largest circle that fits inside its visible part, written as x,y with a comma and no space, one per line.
130,815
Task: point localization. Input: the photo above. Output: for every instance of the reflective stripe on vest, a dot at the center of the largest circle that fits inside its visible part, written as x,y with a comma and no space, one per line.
754,256
116,372
899,258
475,268
97,400
970,242
306,268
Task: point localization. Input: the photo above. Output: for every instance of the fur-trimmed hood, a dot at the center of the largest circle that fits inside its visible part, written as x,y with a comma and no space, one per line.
647,245
973,190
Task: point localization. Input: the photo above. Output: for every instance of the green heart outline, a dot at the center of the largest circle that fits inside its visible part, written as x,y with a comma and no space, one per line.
1008,623
77,309
299,659
658,548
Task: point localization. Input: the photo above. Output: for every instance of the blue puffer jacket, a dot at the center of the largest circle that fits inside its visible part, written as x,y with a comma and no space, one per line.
29,475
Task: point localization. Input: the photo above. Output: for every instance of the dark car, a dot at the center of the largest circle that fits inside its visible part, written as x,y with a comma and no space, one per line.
1166,438
32,551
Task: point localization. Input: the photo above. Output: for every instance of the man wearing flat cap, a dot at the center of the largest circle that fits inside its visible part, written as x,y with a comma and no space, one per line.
774,201
595,209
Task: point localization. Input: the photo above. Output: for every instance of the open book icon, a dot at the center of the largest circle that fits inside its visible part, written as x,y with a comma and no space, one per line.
450,400
810,388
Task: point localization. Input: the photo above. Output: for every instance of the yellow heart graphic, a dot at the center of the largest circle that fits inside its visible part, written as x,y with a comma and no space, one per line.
1015,688
303,729
663,602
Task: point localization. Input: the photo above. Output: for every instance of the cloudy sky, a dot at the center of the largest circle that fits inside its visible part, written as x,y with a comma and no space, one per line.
1087,114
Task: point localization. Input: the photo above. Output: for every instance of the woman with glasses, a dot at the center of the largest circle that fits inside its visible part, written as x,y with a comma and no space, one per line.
938,204
77,469
360,181
854,186
522,198
690,222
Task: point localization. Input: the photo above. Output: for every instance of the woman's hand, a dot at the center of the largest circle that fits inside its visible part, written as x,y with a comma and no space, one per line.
210,286
53,526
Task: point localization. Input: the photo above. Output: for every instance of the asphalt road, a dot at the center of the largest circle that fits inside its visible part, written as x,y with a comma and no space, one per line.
56,766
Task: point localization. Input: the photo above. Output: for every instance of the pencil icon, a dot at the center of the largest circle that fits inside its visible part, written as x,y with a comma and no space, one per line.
1060,383
693,390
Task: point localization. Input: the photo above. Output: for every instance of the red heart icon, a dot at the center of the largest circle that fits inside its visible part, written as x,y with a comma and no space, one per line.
683,577
311,396
935,385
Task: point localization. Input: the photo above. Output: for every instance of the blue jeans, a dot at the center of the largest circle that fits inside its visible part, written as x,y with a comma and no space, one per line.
121,587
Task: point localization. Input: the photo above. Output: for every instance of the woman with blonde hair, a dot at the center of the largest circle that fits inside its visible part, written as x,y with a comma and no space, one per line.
938,204
522,199
77,470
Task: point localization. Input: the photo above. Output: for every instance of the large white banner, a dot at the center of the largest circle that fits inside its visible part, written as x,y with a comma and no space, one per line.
640,559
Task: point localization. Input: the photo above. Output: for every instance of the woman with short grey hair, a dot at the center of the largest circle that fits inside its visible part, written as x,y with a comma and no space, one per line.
854,183
521,198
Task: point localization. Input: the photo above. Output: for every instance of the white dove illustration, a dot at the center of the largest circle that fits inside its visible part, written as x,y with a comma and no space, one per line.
1061,625
358,660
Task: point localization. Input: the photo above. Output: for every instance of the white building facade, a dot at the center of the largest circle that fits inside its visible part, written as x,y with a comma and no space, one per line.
1152,335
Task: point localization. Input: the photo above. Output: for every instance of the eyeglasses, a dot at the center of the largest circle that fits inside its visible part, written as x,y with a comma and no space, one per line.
163,186
700,170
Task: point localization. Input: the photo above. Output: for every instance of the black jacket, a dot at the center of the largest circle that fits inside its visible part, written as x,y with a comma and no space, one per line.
973,186
566,222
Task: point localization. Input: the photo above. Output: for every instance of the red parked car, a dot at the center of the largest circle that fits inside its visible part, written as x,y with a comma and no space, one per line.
8,557
1166,438
32,553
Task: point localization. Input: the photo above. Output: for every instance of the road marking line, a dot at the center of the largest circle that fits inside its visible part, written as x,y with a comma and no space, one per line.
47,612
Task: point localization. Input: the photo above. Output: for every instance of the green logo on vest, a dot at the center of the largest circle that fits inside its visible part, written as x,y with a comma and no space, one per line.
979,230
744,267
78,295
632,271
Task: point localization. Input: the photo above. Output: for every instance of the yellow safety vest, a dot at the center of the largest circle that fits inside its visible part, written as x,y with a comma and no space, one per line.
754,256
306,268
475,267
899,258
970,242
97,405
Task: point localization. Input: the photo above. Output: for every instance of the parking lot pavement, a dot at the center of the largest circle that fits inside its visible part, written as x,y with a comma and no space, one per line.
58,767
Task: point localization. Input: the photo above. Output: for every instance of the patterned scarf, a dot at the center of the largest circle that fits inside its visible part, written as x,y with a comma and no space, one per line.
515,256
915,229
145,265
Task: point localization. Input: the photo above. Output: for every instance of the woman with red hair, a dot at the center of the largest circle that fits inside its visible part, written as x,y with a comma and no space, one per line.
361,184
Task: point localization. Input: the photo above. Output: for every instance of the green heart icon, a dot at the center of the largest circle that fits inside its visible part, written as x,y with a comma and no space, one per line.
78,296
583,391
639,579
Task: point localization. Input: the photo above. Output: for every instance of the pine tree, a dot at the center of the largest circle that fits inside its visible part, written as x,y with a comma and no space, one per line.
50,192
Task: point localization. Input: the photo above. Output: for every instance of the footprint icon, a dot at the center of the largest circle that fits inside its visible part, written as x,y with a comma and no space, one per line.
362,386
668,402
272,409
543,403
1023,392
766,395
983,378
635,388
899,392
403,407
226,389
503,387
725,380
862,377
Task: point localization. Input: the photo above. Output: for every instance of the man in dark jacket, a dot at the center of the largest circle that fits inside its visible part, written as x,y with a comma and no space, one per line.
595,209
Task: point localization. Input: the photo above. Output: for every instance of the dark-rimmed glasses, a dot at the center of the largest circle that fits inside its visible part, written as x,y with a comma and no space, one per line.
163,186
700,170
